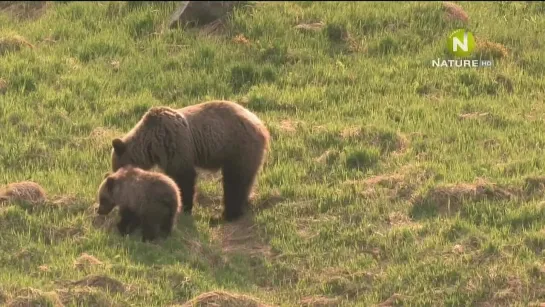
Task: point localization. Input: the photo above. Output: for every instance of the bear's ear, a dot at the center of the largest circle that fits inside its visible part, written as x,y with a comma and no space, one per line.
106,175
110,183
119,146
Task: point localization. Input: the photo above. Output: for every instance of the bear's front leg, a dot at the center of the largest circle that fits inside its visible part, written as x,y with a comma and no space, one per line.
186,183
128,223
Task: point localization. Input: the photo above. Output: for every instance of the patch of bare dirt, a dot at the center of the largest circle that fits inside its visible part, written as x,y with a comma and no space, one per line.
449,198
52,234
102,282
402,144
34,297
488,49
225,299
106,222
472,115
399,219
393,300
43,268
241,39
506,82
13,42
242,237
388,142
115,65
209,175
455,12
402,184
197,248
26,254
351,132
512,290
328,157
339,34
310,27
85,261
3,297
26,191
344,283
288,125
318,129
84,296
74,64
306,227
458,249
24,9
534,185
319,301
3,86
216,27
205,200
270,200
101,136
64,200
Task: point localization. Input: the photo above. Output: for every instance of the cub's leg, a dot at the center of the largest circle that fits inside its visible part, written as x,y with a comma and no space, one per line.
128,223
168,220
150,228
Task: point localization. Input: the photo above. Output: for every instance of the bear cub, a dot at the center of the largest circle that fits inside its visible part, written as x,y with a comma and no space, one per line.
148,199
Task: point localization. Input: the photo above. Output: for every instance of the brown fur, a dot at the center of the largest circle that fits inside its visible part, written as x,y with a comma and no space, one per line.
23,191
211,135
145,198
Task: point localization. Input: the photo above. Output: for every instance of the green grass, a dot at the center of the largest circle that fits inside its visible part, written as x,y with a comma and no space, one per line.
367,145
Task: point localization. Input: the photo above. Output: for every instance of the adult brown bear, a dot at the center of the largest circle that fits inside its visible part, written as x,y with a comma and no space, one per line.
212,135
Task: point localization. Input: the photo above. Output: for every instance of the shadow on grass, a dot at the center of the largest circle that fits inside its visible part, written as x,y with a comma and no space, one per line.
236,252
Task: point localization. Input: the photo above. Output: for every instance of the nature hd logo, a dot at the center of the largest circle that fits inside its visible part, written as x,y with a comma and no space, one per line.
461,44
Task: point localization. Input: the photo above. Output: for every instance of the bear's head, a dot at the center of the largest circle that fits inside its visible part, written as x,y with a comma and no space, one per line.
144,146
105,196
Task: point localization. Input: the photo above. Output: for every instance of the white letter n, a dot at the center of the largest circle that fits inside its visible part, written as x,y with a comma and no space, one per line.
456,42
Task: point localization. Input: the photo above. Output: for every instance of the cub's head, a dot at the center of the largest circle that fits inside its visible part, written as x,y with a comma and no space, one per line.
105,195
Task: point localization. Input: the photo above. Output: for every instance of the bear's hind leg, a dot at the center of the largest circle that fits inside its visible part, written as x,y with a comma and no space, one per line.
237,186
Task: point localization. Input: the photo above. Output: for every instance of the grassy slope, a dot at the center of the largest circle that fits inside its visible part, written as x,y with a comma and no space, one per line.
360,131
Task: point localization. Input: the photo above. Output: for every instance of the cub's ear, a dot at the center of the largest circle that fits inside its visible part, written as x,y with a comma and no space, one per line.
119,146
110,183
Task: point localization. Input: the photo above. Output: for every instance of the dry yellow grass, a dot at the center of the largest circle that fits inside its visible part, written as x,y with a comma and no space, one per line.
26,191
455,12
13,42
224,299
487,49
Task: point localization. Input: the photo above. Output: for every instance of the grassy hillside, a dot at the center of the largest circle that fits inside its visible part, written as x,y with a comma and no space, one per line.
389,181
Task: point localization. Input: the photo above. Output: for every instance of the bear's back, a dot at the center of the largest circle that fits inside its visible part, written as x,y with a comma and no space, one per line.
221,130
139,189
